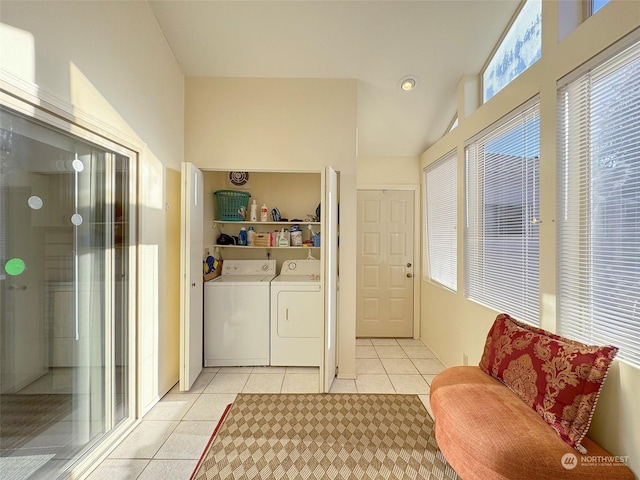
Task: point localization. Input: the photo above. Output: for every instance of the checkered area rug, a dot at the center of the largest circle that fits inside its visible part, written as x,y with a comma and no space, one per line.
324,436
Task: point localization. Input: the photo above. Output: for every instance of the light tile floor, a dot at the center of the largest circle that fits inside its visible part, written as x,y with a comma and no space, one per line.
172,436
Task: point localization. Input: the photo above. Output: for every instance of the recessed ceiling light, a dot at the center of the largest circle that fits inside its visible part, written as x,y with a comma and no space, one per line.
408,83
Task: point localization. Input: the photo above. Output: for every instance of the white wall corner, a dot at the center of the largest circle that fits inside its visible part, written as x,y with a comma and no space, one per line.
468,93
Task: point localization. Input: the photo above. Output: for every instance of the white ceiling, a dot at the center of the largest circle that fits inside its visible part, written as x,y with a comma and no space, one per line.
375,42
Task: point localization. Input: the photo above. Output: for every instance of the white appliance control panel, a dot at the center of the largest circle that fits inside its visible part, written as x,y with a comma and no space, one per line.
249,267
308,268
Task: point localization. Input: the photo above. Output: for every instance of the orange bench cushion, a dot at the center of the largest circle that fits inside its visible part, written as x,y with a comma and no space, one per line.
486,432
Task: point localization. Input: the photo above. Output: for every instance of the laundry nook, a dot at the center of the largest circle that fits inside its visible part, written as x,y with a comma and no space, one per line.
266,243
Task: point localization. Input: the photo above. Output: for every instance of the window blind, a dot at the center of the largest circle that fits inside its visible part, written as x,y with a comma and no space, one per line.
599,205
441,209
502,216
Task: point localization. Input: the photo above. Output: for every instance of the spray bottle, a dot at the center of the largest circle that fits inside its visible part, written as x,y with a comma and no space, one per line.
282,239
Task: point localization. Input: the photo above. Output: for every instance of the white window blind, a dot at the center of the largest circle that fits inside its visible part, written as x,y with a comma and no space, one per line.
599,205
502,216
440,180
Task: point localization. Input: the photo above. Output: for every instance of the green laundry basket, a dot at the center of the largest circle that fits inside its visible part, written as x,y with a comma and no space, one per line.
232,205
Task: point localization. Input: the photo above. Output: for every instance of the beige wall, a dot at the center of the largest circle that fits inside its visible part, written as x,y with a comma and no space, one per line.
283,125
388,170
454,326
106,64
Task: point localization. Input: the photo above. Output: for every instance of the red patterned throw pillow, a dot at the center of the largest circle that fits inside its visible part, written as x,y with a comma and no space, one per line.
557,377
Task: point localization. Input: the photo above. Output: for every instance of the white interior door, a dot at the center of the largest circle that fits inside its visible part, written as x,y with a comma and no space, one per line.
191,286
330,242
385,264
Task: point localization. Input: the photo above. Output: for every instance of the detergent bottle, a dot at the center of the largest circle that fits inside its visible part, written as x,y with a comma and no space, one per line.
254,211
242,237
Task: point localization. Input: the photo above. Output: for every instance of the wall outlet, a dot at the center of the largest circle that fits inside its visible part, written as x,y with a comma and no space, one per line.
465,359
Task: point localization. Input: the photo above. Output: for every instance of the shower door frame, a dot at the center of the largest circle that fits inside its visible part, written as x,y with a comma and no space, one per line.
59,115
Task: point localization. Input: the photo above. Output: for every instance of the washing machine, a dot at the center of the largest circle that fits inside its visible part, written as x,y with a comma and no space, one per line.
297,326
237,314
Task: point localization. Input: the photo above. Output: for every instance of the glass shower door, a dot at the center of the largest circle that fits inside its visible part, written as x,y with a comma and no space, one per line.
65,288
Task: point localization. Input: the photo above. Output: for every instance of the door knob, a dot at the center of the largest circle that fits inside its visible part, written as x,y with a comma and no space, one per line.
408,265
409,275
193,284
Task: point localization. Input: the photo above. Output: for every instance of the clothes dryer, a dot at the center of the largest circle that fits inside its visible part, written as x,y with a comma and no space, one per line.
297,313
237,314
